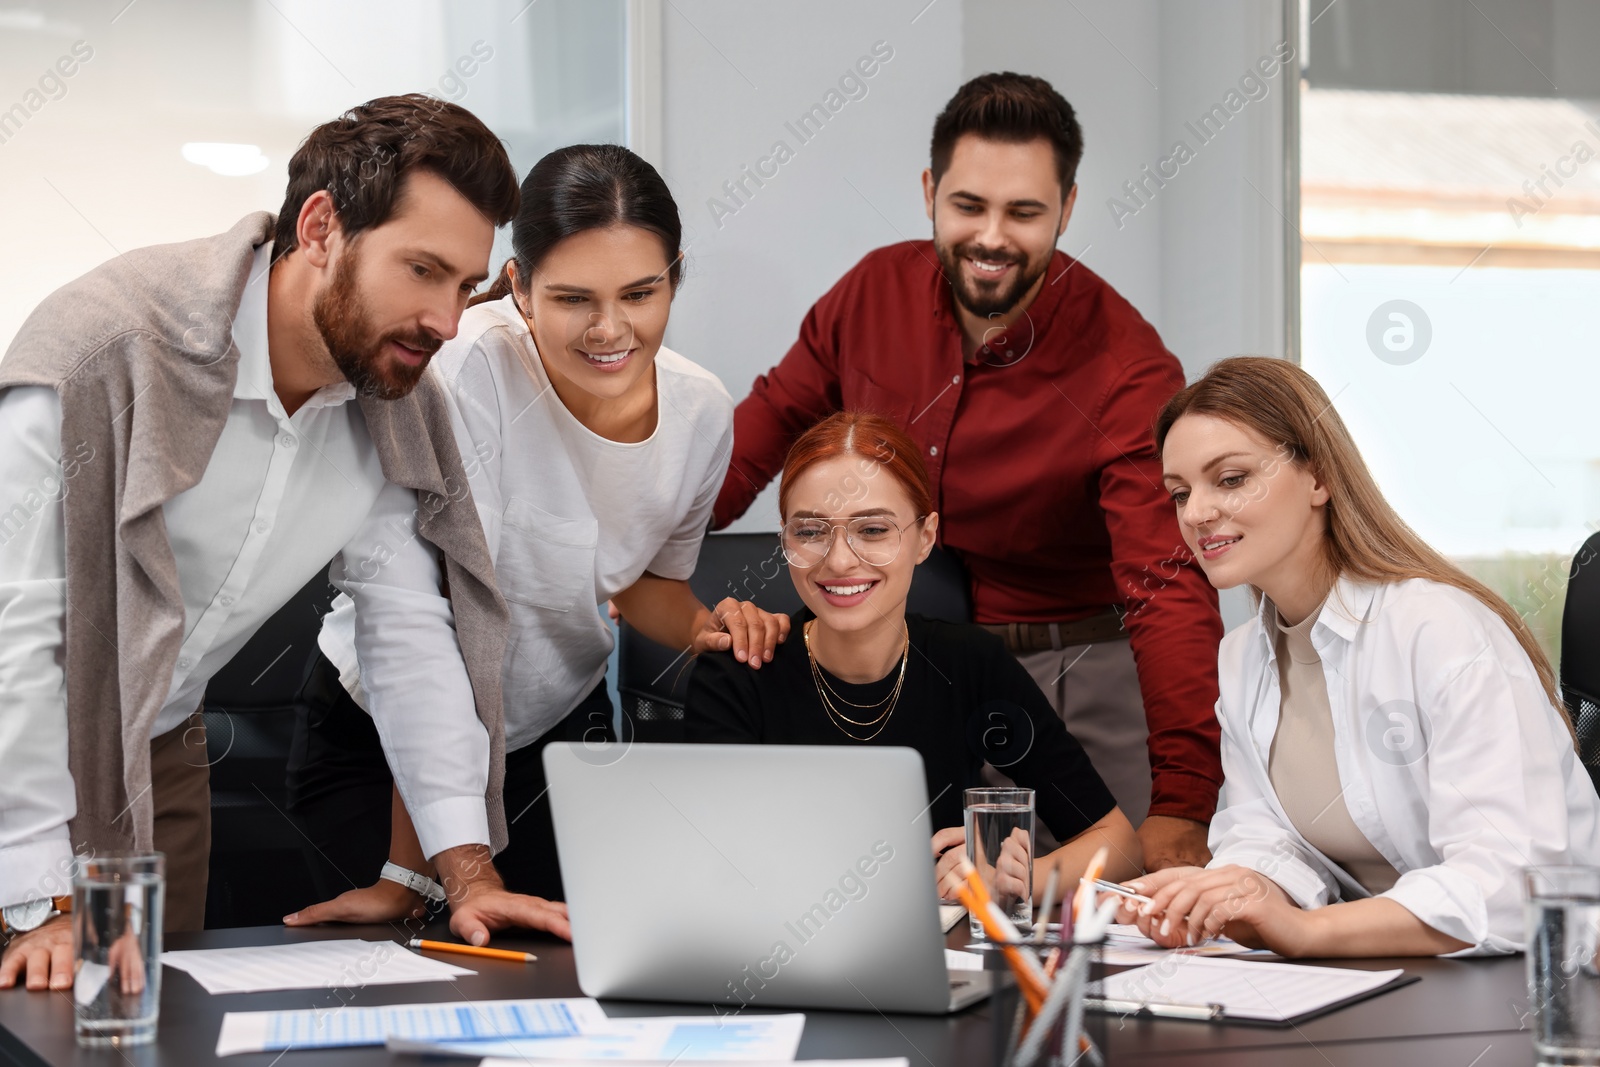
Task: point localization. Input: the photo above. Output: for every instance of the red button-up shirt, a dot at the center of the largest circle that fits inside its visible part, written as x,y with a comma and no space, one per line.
1045,472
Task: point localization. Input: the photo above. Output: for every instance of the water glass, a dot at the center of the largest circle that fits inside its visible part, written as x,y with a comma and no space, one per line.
1562,916
999,825
117,901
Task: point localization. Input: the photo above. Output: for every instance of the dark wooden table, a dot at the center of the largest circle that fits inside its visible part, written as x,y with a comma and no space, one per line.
1464,1013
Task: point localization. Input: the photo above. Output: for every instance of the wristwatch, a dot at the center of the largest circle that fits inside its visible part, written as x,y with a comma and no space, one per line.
419,884
32,914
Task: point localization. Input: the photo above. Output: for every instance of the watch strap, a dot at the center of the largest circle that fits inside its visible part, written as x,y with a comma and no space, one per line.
58,906
419,884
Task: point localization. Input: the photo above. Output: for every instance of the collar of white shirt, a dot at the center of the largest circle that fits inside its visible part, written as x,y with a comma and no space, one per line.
255,363
1343,614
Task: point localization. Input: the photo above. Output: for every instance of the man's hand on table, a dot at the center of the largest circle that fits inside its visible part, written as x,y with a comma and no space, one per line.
1173,842
383,901
480,903
42,957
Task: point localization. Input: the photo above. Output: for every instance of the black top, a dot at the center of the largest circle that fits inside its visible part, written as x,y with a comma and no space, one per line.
965,700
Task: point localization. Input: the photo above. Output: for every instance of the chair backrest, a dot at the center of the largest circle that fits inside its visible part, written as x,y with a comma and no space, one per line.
249,709
652,681
1580,653
250,719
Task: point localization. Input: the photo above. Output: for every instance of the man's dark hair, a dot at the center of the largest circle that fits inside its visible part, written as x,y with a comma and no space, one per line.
1013,108
364,156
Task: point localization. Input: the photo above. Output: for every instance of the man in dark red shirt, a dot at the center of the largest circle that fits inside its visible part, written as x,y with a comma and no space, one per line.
1030,386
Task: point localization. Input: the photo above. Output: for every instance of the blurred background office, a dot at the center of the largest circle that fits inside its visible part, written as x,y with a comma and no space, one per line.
1438,153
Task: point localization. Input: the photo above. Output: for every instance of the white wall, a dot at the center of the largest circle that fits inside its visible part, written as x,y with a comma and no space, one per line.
1201,259
1113,86
735,74
94,168
1222,222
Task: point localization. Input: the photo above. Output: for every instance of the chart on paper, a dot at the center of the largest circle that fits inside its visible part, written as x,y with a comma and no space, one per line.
675,1039
347,1027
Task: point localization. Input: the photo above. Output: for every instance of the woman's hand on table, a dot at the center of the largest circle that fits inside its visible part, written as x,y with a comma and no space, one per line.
1188,905
949,849
1007,879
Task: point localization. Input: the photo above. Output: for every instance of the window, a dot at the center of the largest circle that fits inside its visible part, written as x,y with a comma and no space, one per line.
1450,268
128,124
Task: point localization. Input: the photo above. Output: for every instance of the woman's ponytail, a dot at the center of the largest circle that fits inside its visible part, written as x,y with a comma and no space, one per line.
500,288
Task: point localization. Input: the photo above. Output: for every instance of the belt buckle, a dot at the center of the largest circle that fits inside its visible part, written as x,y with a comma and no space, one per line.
1014,638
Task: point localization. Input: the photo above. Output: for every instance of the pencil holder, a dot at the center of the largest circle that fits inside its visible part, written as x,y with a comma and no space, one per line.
1060,1031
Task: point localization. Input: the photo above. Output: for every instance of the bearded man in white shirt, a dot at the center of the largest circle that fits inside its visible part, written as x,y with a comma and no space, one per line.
178,429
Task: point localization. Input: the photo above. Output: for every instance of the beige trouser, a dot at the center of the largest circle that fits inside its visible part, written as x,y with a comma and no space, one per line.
180,777
1095,690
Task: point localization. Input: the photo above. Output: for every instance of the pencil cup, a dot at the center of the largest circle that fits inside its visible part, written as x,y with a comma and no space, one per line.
117,903
1562,919
999,825
1061,1032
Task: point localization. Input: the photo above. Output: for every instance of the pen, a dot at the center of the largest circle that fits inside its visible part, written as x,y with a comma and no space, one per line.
1030,980
1165,1011
472,950
1122,890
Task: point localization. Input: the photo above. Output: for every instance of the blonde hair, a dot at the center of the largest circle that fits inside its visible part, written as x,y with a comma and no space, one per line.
1366,539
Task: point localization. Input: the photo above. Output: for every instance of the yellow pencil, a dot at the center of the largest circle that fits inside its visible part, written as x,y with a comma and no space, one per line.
473,950
1033,988
979,890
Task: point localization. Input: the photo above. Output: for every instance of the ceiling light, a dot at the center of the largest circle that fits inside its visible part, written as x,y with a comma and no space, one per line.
229,160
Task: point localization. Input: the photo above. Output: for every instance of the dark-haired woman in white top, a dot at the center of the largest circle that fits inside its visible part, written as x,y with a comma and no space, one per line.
594,455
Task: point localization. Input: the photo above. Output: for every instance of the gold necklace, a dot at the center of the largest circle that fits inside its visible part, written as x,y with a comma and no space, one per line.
839,718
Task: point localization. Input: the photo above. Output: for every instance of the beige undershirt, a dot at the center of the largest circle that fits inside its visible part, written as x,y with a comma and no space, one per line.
1302,765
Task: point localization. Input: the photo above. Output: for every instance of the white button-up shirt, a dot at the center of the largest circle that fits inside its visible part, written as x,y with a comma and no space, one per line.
1453,761
280,497
571,519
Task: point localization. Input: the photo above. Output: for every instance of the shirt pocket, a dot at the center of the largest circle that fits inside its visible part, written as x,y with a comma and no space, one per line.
545,560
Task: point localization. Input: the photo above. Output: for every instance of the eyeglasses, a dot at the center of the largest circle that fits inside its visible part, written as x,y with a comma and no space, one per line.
874,539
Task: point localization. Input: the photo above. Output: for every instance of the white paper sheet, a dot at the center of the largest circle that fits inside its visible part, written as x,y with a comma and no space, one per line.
91,978
1127,947
949,915
345,1027
309,965
957,960
708,1038
1246,989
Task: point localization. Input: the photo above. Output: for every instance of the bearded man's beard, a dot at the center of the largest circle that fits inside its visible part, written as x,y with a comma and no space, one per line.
985,299
358,349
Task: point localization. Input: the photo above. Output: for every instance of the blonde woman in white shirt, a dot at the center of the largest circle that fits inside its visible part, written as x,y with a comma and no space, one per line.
594,454
1394,748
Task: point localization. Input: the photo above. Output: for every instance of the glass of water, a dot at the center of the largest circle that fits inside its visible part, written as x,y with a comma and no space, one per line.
1562,915
999,825
117,903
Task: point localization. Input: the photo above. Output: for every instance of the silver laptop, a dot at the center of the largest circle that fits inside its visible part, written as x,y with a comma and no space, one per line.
765,876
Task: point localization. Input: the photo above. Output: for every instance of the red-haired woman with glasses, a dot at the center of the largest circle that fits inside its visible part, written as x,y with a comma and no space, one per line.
858,518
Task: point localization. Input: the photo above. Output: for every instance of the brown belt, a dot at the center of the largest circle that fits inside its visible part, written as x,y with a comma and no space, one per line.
1024,637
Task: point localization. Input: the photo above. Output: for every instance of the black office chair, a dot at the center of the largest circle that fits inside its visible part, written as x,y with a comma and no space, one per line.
653,680
1580,654
259,869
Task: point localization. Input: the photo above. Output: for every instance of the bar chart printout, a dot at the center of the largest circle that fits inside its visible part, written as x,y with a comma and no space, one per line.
345,1027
